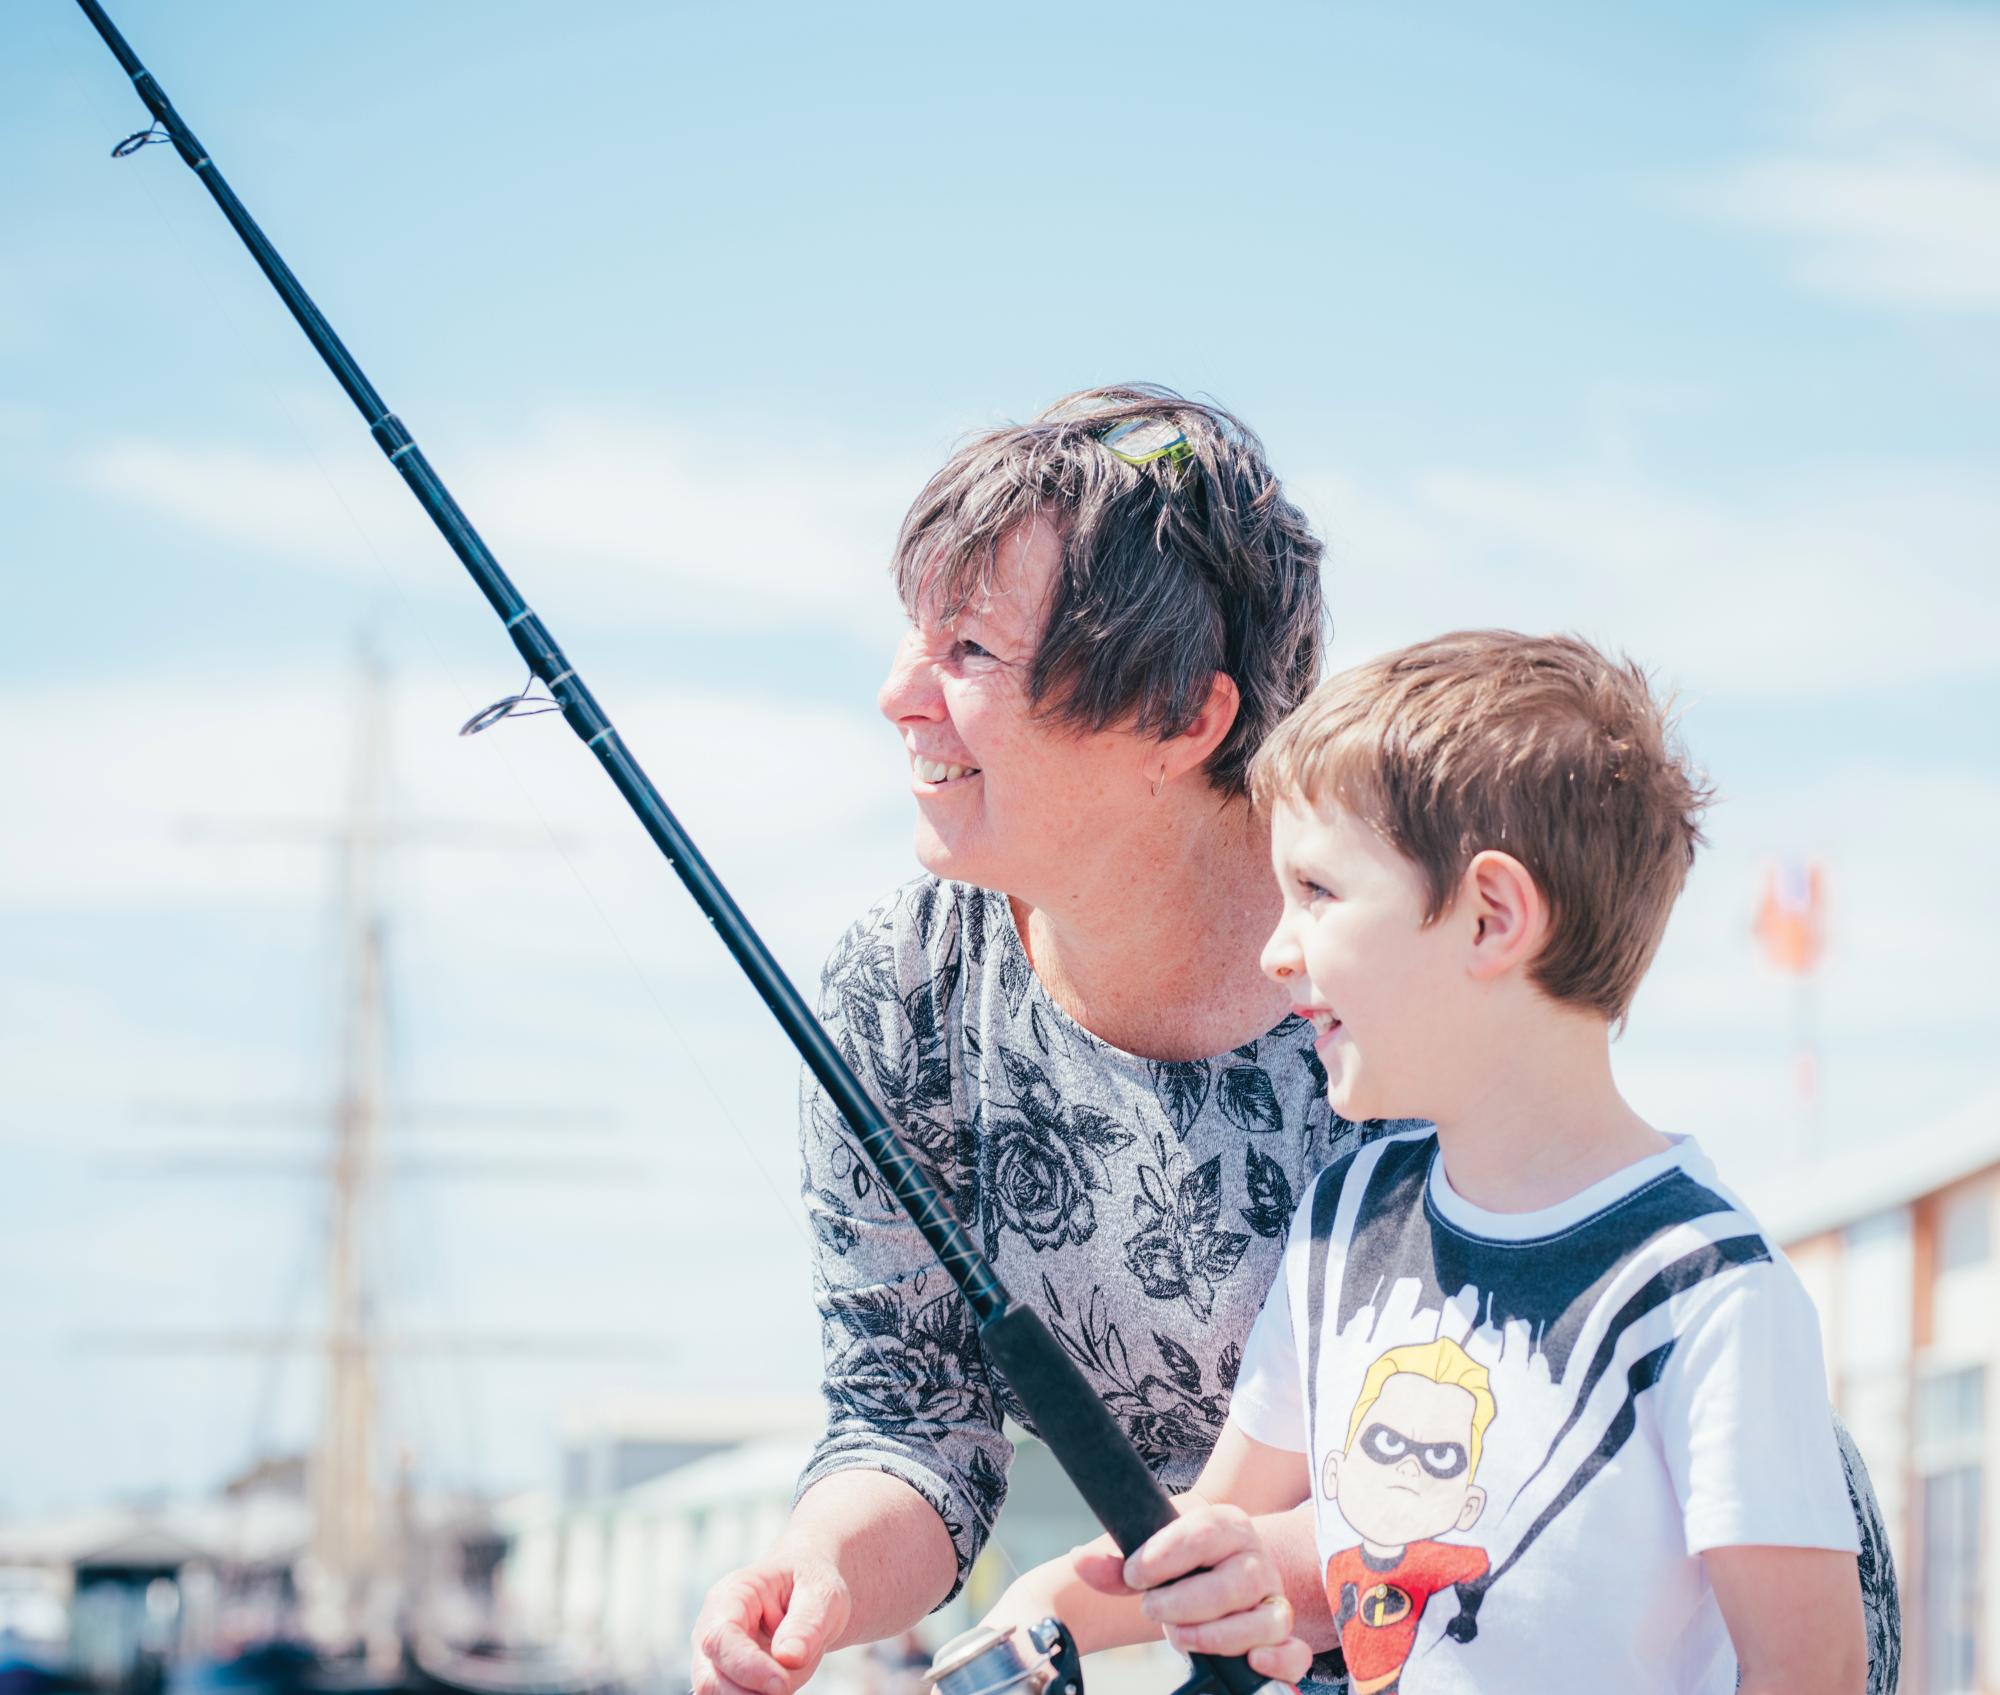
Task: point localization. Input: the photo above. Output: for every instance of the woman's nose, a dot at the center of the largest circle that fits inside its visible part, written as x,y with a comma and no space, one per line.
911,688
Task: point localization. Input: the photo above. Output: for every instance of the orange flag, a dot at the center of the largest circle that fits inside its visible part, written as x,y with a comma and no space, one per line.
1791,918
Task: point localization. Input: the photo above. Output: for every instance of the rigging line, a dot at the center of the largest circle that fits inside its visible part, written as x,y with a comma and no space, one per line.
271,1390
388,579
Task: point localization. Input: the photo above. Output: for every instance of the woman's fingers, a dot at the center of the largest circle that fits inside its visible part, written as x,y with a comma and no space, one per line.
729,1662
1239,1583
734,1650
1287,1661
1268,1624
1201,1536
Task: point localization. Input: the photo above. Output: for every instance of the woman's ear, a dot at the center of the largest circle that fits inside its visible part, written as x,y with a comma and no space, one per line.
1509,916
1189,750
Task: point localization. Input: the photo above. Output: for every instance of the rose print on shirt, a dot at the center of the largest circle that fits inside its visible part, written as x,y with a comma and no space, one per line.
1179,1253
1039,1163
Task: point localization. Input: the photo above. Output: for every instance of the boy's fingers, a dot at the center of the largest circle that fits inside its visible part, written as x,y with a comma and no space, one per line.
1104,1572
1197,1539
1236,1585
1265,1625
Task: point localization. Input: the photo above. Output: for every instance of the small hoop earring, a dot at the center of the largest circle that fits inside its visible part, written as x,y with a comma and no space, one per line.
1159,781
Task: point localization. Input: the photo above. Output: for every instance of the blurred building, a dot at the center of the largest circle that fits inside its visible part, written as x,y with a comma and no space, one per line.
123,1591
658,1502
1896,1241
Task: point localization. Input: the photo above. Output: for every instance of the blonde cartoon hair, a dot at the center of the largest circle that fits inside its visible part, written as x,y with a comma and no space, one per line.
1442,1361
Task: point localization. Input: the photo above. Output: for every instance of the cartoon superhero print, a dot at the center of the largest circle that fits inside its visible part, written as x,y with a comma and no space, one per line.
1404,1479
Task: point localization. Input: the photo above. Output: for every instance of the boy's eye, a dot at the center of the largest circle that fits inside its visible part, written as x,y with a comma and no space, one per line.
1310,891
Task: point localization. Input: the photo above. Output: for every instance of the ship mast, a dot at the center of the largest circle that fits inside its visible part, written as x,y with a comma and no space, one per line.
346,1542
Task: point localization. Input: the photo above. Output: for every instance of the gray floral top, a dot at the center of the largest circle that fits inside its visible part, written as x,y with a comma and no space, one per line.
1140,1205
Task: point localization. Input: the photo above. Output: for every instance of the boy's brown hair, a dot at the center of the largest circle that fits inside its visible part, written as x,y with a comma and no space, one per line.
1538,746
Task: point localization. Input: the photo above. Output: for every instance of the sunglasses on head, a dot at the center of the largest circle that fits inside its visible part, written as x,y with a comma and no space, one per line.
1140,441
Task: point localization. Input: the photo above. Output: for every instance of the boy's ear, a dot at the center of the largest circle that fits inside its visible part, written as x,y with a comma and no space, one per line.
1508,914
1210,725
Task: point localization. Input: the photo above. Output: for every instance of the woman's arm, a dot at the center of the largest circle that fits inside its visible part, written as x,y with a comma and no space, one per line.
913,1440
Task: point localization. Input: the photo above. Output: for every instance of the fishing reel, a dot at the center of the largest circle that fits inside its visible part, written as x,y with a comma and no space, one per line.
1036,1659
1041,1659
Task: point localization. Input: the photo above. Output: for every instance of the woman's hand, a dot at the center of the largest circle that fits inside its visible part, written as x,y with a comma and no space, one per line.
1210,1582
762,1630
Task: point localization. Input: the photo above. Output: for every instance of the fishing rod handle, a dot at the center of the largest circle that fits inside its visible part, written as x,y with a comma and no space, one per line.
1094,1450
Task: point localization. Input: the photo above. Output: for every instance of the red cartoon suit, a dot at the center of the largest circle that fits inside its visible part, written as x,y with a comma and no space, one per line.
1378,1607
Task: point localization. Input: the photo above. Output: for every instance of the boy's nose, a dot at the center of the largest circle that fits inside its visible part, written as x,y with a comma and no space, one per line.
1280,958
910,690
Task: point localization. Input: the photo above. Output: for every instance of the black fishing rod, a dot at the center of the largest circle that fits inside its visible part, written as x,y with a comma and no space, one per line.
1078,1429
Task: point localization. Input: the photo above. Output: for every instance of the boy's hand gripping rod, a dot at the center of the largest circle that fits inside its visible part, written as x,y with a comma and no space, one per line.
1078,1429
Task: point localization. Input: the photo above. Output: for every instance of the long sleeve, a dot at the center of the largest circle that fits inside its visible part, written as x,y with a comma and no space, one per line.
906,1386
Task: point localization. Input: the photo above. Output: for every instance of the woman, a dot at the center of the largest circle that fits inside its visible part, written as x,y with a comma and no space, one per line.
1110,608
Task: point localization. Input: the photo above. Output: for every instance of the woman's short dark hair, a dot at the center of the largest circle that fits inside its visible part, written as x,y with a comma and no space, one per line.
1171,570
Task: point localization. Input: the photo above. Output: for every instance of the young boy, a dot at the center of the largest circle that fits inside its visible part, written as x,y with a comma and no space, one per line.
1556,1404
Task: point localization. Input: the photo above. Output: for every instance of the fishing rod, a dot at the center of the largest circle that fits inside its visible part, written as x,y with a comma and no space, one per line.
1079,1430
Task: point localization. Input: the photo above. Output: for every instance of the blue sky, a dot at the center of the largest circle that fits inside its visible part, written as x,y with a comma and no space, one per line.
1676,328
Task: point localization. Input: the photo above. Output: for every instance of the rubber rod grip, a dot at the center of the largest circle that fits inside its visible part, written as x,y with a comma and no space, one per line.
1094,1450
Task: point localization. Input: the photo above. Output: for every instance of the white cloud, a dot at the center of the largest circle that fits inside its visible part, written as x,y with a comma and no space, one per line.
1889,187
220,793
1798,584
1803,586
619,517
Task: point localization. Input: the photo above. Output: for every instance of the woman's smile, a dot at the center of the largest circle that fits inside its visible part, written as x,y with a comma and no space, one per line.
935,774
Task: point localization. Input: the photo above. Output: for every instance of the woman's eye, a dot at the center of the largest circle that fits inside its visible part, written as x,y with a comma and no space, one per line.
963,648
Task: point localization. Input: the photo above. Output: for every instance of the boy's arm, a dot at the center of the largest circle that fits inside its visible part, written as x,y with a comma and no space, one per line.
1238,1521
1794,1615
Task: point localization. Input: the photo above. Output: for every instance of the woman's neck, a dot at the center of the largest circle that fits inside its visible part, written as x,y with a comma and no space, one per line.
1154,948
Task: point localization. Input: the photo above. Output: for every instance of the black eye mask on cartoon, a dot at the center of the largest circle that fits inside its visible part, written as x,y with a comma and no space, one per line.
1391,1447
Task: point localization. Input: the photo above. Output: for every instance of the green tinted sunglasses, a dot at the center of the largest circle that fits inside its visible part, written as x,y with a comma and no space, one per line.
1140,441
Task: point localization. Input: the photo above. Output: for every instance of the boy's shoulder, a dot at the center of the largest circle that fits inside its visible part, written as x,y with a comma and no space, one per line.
1381,1226
1406,1143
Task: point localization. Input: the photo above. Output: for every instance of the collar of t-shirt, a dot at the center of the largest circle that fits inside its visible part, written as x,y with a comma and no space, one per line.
1684,1155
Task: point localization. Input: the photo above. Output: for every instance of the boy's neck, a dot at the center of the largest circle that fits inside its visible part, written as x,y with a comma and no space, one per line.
1545,1120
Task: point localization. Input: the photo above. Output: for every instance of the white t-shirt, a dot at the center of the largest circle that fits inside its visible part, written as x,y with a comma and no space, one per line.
1524,1427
